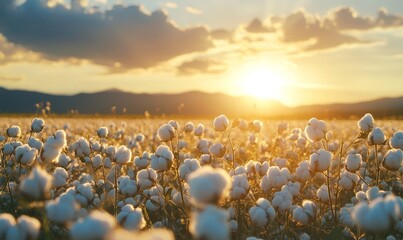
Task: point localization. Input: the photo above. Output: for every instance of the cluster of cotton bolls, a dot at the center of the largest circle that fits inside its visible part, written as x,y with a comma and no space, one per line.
211,179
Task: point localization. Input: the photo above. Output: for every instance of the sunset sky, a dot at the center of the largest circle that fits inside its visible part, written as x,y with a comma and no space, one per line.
298,52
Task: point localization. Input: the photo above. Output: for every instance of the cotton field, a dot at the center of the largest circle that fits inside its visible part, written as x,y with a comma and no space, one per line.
221,178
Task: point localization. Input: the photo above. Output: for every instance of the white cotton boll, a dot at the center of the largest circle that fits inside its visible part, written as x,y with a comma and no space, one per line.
6,222
110,151
81,147
233,225
205,159
301,143
123,155
275,178
176,197
302,172
361,196
293,188
199,130
281,127
254,167
37,185
376,137
146,178
25,154
143,161
8,149
262,213
162,159
127,186
35,143
240,187
166,132
348,180
102,132
60,176
397,141
63,160
208,185
28,227
53,146
37,125
86,191
239,170
189,165
203,146
221,123
393,159
210,224
320,161
280,162
95,226
345,217
155,200
304,236
353,162
316,130
253,238
189,127
373,193
13,131
218,150
131,218
282,200
256,126
306,213
96,161
63,209
366,123
323,194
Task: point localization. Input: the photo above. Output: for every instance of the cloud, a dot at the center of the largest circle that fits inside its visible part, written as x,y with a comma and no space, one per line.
347,18
11,78
201,65
256,26
121,38
9,53
193,10
221,34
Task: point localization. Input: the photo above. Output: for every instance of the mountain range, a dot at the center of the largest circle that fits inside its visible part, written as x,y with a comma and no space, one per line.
189,104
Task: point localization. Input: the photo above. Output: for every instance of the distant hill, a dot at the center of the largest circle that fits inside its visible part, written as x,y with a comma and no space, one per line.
189,103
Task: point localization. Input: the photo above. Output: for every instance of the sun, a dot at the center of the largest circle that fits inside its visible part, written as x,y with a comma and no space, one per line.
261,81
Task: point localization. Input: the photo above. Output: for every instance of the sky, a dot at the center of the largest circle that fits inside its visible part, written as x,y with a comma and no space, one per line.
297,52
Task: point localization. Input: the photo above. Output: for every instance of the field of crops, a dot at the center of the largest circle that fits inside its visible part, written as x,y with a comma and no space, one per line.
202,179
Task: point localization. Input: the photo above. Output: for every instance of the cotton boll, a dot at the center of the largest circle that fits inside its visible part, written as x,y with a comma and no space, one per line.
81,148
316,130
275,178
262,213
256,126
306,213
28,227
162,159
208,185
221,123
6,222
281,127
240,187
166,133
37,125
155,200
189,127
146,178
37,185
13,131
376,137
393,159
302,172
63,209
353,162
25,154
348,180
282,200
210,224
176,197
189,165
293,188
345,217
218,150
96,161
143,161
397,141
60,176
123,155
53,146
199,130
280,162
127,186
320,161
361,196
110,152
323,194
205,159
63,160
95,226
85,194
35,143
8,149
131,218
304,236
203,146
102,132
373,193
366,123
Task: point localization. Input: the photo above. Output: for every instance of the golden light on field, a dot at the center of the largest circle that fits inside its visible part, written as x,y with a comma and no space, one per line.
261,81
